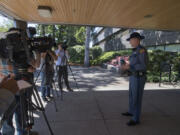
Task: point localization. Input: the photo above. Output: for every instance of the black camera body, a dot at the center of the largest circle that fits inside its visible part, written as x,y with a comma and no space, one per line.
64,46
17,47
41,44
12,45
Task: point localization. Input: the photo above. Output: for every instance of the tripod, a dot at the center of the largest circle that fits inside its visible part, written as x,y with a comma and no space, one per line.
63,67
65,57
55,80
28,109
53,84
8,113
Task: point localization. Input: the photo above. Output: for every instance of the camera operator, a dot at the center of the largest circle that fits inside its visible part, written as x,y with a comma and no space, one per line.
61,65
7,128
8,68
47,73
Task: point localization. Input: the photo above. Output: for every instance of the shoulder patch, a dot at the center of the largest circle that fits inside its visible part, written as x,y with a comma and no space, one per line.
141,50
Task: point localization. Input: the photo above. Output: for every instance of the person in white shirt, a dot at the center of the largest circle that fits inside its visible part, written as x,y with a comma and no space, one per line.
61,65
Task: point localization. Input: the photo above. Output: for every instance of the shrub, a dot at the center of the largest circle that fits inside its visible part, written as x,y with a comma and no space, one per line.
107,56
156,57
95,52
76,54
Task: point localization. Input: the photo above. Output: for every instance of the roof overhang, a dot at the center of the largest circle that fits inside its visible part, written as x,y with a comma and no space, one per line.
141,14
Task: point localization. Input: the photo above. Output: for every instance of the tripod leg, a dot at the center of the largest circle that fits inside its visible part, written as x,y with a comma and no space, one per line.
60,82
37,103
56,80
45,117
31,113
54,100
61,89
42,109
21,97
30,108
55,88
73,75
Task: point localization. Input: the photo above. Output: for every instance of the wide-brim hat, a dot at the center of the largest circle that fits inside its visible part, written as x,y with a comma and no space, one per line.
135,35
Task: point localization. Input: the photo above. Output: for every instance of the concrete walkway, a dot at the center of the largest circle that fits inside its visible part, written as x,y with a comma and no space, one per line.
95,109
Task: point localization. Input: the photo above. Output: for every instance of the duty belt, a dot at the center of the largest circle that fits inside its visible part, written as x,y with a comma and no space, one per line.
138,73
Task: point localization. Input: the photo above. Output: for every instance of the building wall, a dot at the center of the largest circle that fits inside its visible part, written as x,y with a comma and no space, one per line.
113,39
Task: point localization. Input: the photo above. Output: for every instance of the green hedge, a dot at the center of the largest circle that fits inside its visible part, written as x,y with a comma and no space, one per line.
107,56
95,52
155,58
77,53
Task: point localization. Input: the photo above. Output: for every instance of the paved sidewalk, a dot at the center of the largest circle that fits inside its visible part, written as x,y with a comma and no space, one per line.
95,109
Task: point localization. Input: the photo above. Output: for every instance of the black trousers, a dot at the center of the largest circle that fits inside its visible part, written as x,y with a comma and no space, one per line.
63,74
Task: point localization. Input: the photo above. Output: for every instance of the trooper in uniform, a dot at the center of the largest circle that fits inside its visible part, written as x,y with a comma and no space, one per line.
137,66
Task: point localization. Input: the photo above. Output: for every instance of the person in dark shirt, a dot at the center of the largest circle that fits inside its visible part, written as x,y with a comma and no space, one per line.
47,73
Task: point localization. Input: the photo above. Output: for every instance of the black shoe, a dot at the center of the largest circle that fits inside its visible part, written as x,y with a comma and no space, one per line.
132,123
127,114
70,90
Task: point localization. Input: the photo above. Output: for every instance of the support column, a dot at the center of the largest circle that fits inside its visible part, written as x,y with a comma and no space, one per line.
87,42
20,24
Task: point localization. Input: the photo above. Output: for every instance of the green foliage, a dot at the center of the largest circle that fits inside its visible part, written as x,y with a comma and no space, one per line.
107,56
156,57
72,34
80,35
95,52
3,29
76,54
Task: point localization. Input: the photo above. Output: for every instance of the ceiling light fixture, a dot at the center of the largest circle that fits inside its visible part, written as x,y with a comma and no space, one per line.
148,16
45,11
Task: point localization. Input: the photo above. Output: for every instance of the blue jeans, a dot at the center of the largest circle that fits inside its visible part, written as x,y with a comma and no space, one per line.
45,91
8,129
45,85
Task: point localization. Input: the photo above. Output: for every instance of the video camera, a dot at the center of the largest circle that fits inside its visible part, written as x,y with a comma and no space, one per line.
40,44
17,47
13,46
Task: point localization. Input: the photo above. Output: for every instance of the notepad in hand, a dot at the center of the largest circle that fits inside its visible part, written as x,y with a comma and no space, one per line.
23,84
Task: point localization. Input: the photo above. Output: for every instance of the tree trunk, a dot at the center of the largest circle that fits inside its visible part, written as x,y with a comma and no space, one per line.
21,24
43,30
86,57
53,32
